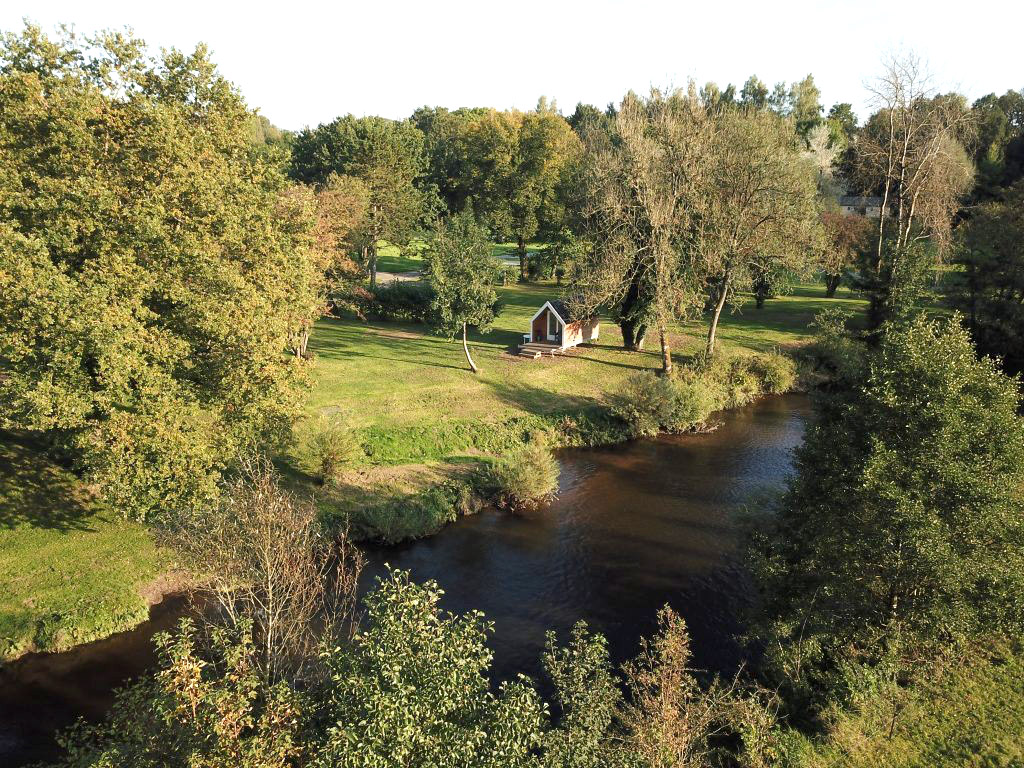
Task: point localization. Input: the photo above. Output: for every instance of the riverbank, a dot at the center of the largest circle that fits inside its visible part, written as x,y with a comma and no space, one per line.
71,571
426,426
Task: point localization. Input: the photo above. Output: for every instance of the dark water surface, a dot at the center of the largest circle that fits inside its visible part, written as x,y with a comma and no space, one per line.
634,527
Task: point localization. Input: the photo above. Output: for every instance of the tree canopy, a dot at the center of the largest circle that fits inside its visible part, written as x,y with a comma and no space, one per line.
152,266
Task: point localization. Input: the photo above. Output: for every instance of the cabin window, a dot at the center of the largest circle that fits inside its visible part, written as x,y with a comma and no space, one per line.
552,324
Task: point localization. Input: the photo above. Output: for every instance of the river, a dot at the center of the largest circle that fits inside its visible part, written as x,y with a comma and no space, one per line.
634,526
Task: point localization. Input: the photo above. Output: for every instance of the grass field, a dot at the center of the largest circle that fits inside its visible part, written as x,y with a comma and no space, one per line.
391,379
70,571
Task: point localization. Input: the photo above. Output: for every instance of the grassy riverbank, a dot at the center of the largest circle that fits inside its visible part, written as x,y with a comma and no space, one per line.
424,420
71,571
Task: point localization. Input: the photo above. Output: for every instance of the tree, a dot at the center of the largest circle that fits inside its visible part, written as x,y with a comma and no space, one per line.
990,287
276,576
462,271
754,94
847,236
152,268
756,212
909,153
640,184
515,161
900,533
387,156
805,105
413,690
333,280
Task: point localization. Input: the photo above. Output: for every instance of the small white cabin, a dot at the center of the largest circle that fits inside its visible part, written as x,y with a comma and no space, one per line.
553,330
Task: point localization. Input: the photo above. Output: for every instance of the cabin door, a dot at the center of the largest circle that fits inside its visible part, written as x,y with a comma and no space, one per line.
553,334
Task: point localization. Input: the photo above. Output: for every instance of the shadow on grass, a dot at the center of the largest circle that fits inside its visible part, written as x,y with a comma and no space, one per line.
36,492
540,401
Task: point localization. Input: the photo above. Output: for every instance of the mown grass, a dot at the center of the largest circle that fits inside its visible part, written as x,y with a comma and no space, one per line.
412,401
70,570
412,398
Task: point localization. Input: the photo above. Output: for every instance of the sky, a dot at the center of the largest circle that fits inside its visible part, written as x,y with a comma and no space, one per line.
305,63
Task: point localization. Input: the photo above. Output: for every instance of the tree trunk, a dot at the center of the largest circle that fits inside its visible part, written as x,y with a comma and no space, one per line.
633,334
373,264
465,347
709,352
759,299
831,284
666,352
521,249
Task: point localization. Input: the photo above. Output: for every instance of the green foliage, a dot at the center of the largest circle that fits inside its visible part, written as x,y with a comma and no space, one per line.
966,714
527,475
403,301
197,710
989,288
462,271
587,698
776,372
900,533
386,155
392,518
334,446
412,690
650,404
152,267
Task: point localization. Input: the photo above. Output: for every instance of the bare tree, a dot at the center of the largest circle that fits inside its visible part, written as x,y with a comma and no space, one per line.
910,153
266,560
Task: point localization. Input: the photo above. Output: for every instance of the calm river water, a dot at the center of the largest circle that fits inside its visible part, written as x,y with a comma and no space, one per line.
634,527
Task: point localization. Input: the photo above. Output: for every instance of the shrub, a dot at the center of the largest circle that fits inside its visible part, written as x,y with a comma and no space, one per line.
528,475
407,302
402,517
333,446
777,372
649,404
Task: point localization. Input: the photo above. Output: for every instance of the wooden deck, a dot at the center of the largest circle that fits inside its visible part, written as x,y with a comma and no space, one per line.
538,349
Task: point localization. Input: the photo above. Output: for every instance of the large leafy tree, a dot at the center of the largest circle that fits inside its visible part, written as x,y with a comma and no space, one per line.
756,214
989,288
901,531
462,273
641,181
515,162
152,270
387,156
911,154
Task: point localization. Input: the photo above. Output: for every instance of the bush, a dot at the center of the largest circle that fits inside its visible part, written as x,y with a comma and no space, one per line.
397,518
333,446
776,372
407,302
650,404
527,476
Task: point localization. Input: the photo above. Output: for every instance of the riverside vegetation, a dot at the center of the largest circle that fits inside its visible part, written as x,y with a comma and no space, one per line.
188,294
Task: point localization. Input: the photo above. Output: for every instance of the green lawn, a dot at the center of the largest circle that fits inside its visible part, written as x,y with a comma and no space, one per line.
70,571
413,399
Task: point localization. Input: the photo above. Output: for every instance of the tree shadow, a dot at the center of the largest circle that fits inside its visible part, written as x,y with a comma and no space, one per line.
35,491
541,401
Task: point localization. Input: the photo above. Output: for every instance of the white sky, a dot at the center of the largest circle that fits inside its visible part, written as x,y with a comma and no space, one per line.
303,63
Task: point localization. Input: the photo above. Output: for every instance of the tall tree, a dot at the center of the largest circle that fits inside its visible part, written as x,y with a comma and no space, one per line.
901,531
151,267
641,183
462,271
909,153
847,237
805,104
387,156
516,160
989,287
757,206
